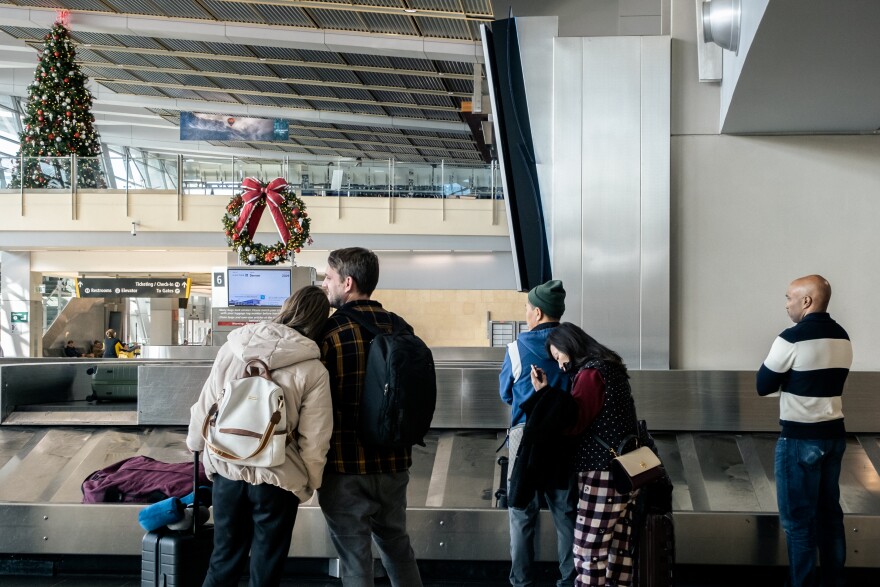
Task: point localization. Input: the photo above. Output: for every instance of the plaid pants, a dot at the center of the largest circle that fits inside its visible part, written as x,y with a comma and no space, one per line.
603,532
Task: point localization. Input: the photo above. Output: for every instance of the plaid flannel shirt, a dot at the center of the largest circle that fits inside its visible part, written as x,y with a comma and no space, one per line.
344,348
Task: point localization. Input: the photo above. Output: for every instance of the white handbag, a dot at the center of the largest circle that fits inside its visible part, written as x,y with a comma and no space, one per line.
633,469
248,418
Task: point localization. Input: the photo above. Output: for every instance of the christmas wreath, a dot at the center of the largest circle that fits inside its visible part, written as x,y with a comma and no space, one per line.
243,215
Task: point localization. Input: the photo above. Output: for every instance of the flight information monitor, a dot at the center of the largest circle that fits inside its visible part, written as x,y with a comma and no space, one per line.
260,287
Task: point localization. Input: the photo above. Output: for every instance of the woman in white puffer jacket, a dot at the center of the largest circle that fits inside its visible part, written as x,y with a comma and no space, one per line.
255,507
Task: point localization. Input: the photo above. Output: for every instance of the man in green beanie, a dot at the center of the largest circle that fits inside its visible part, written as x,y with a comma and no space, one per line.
544,308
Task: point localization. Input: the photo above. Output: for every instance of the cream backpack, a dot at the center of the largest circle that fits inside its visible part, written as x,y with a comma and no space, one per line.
248,418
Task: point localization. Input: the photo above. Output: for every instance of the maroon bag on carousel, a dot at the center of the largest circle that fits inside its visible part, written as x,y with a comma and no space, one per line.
140,480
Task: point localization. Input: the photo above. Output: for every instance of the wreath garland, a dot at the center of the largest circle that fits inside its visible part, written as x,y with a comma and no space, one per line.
243,215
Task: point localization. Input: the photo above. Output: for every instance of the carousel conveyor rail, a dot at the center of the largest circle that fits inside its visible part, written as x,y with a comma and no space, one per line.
715,436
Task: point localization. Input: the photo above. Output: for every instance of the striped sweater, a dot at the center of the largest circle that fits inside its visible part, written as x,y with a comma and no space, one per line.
807,368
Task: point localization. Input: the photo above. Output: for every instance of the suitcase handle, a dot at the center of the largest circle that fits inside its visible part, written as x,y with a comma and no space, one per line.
195,492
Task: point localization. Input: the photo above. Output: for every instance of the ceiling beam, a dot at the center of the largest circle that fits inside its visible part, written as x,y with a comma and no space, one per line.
105,96
250,34
273,79
478,17
291,95
270,61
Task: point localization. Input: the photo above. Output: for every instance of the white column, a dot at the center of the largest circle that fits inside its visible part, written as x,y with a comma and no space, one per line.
20,298
163,321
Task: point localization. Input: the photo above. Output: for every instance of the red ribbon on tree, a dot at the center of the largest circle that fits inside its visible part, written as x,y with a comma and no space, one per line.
255,193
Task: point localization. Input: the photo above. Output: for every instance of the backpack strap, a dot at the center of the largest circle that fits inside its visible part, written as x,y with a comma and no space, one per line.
264,439
257,368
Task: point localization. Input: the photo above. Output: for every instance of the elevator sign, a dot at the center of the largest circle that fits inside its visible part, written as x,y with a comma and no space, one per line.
133,287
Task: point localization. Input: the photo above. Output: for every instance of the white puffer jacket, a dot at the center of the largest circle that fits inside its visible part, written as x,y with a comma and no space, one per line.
295,366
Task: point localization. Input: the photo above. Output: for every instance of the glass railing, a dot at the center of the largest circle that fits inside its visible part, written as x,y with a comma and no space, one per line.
52,173
223,176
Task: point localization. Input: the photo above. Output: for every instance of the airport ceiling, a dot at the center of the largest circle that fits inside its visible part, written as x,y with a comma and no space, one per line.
370,79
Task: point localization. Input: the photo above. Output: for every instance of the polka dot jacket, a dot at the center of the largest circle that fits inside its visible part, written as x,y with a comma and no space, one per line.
616,420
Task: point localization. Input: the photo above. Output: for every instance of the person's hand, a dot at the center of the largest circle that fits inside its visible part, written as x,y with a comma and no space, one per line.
539,378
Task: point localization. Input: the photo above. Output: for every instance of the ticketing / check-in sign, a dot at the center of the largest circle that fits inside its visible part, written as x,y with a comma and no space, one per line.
133,287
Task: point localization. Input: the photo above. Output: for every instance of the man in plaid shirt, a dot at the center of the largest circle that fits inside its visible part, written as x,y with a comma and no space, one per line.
363,494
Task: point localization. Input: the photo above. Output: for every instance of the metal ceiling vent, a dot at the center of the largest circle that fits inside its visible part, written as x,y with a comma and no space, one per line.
721,23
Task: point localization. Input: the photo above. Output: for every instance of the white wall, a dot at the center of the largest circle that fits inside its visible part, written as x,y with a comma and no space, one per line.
749,214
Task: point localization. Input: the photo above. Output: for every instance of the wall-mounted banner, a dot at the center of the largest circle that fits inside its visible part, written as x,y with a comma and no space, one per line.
133,287
195,126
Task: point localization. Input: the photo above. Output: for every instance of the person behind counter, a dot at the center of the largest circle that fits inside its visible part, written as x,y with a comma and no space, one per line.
113,346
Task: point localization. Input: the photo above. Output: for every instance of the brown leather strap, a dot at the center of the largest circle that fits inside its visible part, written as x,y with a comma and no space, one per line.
264,440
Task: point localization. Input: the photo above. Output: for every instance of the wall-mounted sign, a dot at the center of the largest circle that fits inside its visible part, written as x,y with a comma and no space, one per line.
18,317
133,287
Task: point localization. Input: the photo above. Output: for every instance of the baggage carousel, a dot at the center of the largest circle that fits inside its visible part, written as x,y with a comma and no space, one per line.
715,436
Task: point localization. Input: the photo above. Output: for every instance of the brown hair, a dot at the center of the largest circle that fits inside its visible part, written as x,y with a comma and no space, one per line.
362,265
306,311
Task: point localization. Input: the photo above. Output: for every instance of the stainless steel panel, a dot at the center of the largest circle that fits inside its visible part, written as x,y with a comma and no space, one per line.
481,406
611,179
189,352
447,413
566,227
166,392
654,294
438,534
36,383
612,192
468,355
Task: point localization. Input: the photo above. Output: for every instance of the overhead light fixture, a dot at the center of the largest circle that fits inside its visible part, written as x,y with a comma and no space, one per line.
410,10
721,23
134,228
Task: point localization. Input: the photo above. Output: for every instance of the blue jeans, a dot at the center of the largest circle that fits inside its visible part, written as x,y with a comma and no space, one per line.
563,507
808,494
360,510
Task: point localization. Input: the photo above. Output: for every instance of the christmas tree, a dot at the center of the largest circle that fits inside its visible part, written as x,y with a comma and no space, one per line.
58,122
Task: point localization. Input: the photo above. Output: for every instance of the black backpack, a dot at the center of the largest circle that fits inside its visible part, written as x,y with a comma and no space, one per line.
400,386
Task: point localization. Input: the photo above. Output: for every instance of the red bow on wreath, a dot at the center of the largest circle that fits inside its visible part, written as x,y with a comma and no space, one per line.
251,211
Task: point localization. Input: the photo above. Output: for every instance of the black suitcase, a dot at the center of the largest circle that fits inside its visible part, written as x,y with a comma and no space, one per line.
656,553
178,558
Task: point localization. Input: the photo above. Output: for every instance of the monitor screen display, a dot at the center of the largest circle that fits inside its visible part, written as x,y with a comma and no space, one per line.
258,287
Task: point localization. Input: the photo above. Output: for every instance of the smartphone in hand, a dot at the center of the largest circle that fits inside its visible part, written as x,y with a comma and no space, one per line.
538,374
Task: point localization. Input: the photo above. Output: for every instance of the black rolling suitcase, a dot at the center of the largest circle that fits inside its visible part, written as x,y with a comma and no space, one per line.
172,558
113,383
656,556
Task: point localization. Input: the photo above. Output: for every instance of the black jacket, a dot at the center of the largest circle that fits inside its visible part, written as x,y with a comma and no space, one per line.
544,459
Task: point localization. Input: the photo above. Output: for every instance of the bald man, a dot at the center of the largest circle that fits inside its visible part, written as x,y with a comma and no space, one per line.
807,368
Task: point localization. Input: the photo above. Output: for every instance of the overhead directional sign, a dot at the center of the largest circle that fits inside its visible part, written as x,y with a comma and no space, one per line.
133,287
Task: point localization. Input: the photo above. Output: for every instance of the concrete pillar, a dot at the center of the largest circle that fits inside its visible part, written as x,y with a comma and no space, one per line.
21,306
163,321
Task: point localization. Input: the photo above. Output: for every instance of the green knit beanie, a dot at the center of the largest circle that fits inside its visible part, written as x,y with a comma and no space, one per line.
550,297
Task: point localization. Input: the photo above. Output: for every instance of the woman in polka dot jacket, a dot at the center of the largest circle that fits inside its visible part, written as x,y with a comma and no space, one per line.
600,386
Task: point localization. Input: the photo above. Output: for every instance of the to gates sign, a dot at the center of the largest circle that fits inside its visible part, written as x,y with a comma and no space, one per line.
133,287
